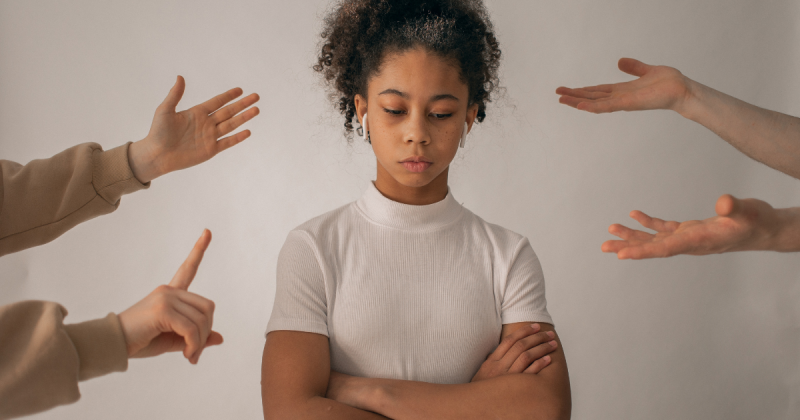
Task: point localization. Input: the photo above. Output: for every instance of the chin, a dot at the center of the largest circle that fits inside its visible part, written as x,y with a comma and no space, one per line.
416,180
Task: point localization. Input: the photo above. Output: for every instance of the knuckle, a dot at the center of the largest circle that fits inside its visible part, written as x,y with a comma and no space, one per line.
519,346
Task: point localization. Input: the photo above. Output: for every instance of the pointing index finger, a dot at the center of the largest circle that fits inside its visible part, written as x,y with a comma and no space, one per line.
183,278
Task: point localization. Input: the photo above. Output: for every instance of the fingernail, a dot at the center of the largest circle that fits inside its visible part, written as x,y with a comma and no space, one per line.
535,326
546,359
551,334
554,343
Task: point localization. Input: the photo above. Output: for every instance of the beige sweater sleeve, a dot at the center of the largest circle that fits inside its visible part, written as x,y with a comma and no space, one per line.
41,359
47,197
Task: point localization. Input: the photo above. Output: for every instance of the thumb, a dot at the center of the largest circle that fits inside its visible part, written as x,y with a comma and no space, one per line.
728,205
214,339
183,278
174,96
633,67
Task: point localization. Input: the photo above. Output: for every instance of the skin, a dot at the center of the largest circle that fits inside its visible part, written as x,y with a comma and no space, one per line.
171,318
766,136
417,106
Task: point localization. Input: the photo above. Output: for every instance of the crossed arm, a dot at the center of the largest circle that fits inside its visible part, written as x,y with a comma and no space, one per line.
767,136
297,383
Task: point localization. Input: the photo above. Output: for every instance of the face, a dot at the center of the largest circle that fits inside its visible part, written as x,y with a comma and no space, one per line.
417,106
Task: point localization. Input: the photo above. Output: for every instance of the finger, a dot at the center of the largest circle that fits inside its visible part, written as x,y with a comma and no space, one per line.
591,92
508,341
649,250
571,101
174,96
233,140
633,67
538,365
214,339
202,325
204,305
629,234
232,124
528,357
183,278
218,101
184,327
614,246
604,106
234,108
727,205
522,346
656,224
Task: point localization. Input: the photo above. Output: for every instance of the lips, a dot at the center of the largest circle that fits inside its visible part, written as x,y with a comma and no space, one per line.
416,164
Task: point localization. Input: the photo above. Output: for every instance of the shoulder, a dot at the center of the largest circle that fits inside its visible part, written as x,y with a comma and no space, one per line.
324,227
502,240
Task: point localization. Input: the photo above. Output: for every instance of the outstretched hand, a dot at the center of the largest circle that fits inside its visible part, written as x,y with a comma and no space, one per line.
171,318
657,87
740,225
179,140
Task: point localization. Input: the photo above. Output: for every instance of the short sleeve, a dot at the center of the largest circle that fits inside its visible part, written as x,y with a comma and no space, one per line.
300,300
523,296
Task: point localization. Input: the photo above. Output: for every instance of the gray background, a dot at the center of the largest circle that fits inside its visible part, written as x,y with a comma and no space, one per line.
695,338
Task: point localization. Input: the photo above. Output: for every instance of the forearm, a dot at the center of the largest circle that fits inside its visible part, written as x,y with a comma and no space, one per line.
515,396
47,197
42,360
767,136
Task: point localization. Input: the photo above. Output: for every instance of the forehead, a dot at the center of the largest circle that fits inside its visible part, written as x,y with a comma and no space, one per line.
418,73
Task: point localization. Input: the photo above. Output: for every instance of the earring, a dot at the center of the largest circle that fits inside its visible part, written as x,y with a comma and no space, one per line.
365,129
464,136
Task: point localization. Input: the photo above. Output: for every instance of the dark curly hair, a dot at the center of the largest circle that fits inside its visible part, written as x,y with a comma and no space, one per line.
359,33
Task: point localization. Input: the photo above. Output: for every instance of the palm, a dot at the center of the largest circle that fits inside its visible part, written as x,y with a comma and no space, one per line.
658,87
178,140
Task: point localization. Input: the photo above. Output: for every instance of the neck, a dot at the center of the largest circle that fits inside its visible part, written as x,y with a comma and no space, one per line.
434,192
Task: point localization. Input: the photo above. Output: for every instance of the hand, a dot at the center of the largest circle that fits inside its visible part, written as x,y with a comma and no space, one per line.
658,87
171,318
180,140
524,350
740,225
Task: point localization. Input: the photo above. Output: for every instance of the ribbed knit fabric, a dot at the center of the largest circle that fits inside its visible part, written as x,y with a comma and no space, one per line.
406,292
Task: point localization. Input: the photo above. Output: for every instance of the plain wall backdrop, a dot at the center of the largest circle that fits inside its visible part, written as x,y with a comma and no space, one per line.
714,337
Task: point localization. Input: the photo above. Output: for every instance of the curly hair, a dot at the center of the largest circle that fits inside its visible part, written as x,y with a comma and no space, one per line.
358,34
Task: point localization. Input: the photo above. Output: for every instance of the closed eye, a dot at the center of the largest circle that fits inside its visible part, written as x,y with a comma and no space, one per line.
441,116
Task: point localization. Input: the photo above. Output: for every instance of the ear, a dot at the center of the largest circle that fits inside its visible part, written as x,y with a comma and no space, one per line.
361,107
472,114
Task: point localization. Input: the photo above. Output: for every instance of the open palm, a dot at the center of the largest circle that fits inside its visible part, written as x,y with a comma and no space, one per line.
740,225
178,140
658,87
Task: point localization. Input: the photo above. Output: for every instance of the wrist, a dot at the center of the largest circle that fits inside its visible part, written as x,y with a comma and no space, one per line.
143,161
785,235
689,102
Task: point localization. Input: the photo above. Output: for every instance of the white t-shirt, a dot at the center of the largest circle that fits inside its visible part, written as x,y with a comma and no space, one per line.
406,292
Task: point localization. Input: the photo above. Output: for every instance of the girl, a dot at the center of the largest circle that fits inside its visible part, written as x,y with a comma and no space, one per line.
388,306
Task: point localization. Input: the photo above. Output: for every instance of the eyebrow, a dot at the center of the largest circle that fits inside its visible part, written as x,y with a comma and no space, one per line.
405,95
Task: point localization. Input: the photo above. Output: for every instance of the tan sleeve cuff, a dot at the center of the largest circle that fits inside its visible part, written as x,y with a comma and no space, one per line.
112,177
101,346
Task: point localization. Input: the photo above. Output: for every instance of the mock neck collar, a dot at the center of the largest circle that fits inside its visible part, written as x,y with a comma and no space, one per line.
376,207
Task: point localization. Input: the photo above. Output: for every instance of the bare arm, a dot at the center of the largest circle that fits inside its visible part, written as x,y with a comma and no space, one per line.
295,370
544,395
767,136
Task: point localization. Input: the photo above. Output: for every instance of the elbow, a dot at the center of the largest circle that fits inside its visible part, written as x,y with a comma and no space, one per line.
551,401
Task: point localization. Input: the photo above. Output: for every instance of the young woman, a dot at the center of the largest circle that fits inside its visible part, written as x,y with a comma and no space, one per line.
389,306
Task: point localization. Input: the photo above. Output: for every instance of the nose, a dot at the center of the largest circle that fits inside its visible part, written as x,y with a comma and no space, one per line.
417,130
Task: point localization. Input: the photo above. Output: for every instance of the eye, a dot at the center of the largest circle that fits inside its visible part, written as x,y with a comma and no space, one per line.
392,111
441,116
